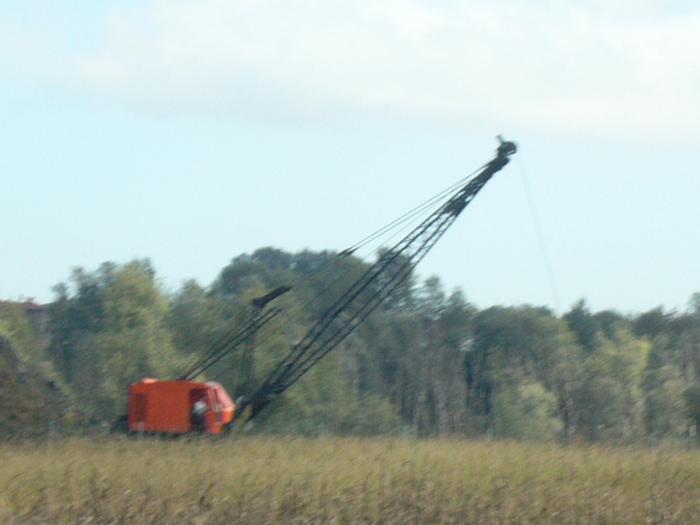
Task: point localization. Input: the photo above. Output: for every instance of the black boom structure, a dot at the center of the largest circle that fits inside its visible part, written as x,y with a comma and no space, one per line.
377,283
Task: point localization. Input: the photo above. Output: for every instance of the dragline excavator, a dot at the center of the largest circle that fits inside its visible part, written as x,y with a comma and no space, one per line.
186,404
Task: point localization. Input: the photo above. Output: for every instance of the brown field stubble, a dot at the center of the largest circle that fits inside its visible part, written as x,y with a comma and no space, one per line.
277,480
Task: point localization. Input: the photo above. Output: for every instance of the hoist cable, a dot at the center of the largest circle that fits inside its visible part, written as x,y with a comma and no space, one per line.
540,237
417,210
400,224
413,211
239,338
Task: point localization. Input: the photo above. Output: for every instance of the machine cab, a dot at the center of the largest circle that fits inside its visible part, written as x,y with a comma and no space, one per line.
178,407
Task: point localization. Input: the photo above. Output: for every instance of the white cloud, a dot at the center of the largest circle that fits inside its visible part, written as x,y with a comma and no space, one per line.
551,65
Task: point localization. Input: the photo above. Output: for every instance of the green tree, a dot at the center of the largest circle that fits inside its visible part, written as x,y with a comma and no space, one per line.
527,412
197,320
584,325
652,323
610,395
73,318
663,387
513,345
134,342
691,397
694,304
107,330
31,394
17,329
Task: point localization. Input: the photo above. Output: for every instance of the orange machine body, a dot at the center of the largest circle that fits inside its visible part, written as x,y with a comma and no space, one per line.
178,407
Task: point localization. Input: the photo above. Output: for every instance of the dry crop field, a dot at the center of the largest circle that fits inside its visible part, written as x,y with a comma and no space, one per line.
276,480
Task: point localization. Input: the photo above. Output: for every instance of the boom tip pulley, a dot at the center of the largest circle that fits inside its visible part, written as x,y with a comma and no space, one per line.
506,148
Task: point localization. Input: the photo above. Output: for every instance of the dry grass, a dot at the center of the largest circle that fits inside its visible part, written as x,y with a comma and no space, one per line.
257,480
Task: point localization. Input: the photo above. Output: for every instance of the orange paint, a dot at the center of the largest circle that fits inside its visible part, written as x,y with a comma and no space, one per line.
169,407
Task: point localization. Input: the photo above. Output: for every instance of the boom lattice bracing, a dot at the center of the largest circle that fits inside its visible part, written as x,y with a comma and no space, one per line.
367,293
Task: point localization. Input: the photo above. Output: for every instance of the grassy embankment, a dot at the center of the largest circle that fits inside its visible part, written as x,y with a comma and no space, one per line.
257,480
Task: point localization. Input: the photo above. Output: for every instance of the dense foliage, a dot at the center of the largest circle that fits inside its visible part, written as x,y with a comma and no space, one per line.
426,363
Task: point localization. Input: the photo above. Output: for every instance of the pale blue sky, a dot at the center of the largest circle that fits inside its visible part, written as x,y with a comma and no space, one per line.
191,132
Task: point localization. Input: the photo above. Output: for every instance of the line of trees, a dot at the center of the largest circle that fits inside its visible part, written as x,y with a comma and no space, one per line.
427,362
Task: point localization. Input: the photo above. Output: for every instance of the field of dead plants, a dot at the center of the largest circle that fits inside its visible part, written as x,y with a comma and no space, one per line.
276,480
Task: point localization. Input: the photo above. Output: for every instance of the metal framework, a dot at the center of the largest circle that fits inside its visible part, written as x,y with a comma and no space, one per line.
369,290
